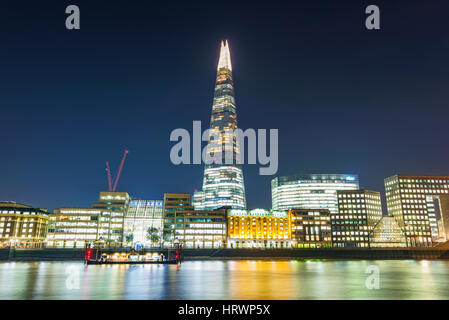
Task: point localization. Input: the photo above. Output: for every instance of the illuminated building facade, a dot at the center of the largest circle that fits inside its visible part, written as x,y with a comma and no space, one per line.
310,228
223,183
101,225
443,223
310,191
22,226
192,228
80,227
140,216
387,234
358,212
113,200
417,202
173,203
258,228
117,202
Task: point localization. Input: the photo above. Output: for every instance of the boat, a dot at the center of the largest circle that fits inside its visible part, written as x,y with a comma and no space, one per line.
96,262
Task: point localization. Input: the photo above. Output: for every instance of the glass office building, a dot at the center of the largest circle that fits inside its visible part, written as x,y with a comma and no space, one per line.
79,227
183,225
358,213
223,183
419,205
141,216
310,191
101,225
387,234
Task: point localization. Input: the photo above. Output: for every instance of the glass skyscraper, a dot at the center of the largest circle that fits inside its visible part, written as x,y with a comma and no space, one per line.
223,183
310,191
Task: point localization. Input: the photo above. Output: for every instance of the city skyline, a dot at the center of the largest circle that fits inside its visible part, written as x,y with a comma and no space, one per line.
226,159
344,99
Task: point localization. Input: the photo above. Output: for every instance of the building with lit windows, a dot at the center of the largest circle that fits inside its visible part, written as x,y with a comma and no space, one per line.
258,228
22,226
387,234
310,191
417,202
142,215
183,225
310,228
443,222
223,183
113,200
117,202
358,213
81,227
101,225
173,203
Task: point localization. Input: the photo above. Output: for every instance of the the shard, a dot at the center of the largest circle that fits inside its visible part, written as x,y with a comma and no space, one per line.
223,183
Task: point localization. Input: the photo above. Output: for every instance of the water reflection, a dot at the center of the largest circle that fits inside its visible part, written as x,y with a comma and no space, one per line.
247,279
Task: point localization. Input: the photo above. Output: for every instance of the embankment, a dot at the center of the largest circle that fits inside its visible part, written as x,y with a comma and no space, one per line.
51,254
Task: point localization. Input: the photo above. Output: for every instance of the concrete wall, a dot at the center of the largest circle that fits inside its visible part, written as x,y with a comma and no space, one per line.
325,253
208,254
42,254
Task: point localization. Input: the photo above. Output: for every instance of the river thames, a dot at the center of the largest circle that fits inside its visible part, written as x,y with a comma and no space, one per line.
232,279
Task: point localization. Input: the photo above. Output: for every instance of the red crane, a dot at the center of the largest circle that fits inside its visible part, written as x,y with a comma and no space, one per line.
108,169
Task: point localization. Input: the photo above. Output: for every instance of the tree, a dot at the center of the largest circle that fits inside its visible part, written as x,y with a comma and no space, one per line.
129,238
153,235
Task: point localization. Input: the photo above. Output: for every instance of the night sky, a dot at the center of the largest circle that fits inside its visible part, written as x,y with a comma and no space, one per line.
345,99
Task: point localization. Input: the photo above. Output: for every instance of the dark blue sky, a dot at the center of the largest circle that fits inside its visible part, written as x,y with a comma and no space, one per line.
345,99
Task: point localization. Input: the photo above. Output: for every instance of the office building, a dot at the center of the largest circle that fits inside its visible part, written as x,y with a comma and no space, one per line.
113,200
117,202
358,212
417,202
82,227
101,225
223,183
310,228
183,225
258,228
142,216
310,191
22,226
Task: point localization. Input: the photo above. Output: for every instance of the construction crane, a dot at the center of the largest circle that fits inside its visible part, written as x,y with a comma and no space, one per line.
113,183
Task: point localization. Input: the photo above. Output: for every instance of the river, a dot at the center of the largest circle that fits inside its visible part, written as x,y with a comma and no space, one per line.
234,279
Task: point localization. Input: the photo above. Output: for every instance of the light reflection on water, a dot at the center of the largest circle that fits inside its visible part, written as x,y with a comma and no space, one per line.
242,279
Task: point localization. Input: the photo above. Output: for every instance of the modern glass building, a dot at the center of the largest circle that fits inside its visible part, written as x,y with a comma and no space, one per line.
387,234
310,191
101,225
358,213
141,216
78,227
418,203
223,183
183,225
114,201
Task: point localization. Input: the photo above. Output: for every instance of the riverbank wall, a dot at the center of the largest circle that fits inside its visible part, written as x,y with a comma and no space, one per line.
53,254
328,253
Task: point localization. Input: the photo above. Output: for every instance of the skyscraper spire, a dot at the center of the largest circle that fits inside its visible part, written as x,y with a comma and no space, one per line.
223,182
225,57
